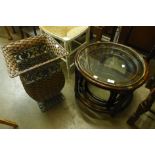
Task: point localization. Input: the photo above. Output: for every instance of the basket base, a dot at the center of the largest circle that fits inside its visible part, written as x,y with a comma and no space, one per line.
48,104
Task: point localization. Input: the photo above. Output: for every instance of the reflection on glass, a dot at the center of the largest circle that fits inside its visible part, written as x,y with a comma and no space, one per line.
95,76
110,81
123,66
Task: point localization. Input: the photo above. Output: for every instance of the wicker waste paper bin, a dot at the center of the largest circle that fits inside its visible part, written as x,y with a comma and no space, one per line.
37,61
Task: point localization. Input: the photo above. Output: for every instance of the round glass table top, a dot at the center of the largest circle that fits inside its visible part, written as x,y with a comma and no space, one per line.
111,64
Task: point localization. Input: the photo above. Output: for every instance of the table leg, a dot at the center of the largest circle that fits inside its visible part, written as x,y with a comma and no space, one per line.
34,30
88,36
10,123
21,32
99,33
13,29
8,32
66,46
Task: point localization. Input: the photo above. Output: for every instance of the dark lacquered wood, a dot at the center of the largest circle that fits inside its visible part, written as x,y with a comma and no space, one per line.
120,97
97,105
102,84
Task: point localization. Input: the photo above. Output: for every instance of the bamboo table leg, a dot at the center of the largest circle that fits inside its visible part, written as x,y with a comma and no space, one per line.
13,29
8,32
21,32
34,30
10,123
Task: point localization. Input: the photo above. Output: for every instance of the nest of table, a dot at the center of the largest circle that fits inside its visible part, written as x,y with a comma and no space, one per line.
27,54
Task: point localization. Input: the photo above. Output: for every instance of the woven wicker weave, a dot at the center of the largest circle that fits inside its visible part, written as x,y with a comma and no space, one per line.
32,49
36,60
44,86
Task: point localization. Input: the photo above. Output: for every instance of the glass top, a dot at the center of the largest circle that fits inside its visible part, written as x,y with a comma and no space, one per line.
111,64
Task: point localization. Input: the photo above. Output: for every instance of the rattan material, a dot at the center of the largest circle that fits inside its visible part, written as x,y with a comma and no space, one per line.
27,54
44,82
37,61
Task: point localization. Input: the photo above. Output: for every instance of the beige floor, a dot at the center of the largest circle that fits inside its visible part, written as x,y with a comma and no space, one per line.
16,105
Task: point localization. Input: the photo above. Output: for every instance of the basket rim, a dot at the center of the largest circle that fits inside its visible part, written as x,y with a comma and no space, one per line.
10,50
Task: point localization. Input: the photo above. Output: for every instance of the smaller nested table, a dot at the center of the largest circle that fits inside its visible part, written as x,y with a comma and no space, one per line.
106,76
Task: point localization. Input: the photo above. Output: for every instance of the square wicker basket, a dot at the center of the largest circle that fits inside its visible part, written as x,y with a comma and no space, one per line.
36,61
27,54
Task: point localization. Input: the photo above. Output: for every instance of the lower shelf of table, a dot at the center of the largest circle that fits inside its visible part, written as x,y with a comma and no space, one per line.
96,106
